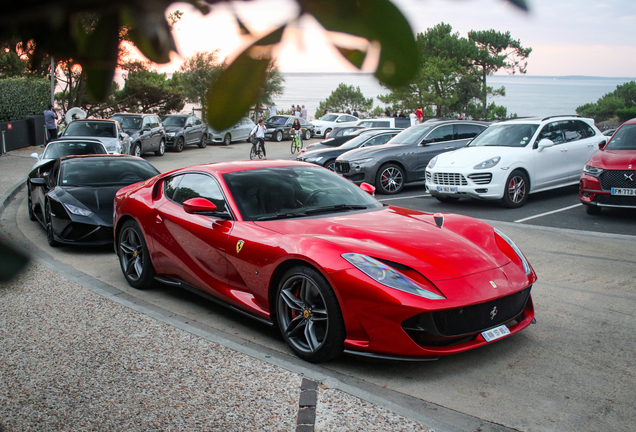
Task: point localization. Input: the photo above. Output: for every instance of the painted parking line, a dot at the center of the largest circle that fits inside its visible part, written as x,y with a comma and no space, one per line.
548,213
406,197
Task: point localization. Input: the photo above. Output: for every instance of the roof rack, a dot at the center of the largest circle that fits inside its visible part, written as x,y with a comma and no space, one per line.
562,115
516,118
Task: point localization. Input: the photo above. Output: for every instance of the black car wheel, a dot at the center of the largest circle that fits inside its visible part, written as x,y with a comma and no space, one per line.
307,134
331,165
204,141
134,258
390,179
162,148
227,139
136,150
30,204
50,236
279,136
327,132
592,209
309,316
516,191
179,145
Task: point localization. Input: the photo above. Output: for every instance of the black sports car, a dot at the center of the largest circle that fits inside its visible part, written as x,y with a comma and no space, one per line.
72,197
278,127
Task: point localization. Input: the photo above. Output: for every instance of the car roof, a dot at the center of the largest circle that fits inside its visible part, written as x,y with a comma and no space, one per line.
102,156
130,114
86,120
220,168
539,120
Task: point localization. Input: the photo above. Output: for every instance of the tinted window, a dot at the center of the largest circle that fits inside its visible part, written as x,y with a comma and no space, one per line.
198,122
440,134
467,131
586,128
413,135
379,140
199,185
624,138
329,117
128,122
349,118
60,149
91,129
170,186
572,131
402,122
105,171
174,121
506,135
551,131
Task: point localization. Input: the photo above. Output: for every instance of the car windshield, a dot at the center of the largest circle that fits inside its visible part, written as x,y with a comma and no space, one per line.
98,172
128,122
174,121
329,117
413,135
91,129
623,139
505,135
60,149
293,192
277,120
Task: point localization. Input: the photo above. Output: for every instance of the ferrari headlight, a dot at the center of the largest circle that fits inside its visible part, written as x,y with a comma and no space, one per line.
524,261
387,276
79,211
432,162
593,171
488,164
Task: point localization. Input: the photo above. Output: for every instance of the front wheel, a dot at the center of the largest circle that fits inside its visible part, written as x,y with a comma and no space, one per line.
204,141
162,148
390,179
253,152
134,258
309,316
227,139
307,134
50,235
517,188
327,132
331,165
279,136
136,151
294,145
30,204
178,147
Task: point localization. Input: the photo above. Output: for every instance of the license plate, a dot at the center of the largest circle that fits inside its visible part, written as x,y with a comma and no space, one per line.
496,333
623,191
447,189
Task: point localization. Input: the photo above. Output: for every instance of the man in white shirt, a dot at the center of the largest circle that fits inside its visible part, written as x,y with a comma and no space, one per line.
303,113
273,110
259,132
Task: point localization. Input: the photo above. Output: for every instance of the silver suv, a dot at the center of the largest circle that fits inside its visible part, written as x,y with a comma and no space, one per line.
404,158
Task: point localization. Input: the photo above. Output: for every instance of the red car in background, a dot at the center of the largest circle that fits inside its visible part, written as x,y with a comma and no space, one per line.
609,177
297,246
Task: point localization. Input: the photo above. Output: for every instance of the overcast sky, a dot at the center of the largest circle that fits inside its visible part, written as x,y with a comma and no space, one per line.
568,37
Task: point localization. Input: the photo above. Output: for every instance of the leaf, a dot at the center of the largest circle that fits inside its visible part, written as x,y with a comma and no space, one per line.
355,57
244,30
374,20
13,261
521,4
151,33
239,86
100,57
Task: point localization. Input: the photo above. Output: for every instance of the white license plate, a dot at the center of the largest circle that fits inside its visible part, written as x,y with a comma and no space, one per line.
623,191
447,189
496,333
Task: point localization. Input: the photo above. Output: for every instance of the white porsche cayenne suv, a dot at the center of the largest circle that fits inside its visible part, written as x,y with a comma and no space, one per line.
514,158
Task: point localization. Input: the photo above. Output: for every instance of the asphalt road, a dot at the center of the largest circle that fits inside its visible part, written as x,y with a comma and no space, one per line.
574,370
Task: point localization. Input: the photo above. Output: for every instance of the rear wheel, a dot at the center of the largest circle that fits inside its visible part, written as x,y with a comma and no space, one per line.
178,147
162,148
517,188
592,210
307,134
293,145
50,236
227,140
327,132
390,179
253,152
331,165
134,258
309,316
204,141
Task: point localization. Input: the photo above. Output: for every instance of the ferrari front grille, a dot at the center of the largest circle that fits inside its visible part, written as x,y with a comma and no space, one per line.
449,179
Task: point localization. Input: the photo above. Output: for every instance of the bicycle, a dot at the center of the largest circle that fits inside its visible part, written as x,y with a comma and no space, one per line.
297,142
257,149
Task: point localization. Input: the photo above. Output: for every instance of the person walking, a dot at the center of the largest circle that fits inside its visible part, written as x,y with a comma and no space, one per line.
303,113
420,114
259,133
49,120
355,113
273,110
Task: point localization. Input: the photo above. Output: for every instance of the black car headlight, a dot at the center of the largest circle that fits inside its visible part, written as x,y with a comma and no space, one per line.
387,276
79,211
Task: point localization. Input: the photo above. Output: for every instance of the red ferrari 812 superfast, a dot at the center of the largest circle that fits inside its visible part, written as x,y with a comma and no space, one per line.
297,246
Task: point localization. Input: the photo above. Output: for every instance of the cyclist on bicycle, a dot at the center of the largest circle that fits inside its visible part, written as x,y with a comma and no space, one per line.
259,132
298,131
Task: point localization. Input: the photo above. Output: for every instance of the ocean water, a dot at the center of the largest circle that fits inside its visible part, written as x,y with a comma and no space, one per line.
525,95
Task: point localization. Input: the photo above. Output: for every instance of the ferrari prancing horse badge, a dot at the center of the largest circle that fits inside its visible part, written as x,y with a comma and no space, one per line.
239,245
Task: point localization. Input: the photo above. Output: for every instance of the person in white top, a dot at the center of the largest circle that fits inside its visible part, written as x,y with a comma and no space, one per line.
259,132
303,113
273,110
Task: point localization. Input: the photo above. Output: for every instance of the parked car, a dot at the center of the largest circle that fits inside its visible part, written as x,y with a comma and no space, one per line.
329,121
386,122
514,158
278,127
340,136
327,156
239,132
68,147
72,197
183,130
296,245
609,132
146,133
404,158
609,177
108,132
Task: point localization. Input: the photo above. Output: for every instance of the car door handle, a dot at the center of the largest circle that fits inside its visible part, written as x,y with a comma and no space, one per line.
159,219
448,148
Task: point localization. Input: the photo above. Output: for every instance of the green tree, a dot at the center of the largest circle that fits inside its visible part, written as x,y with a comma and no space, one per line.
196,74
610,104
343,97
146,90
496,51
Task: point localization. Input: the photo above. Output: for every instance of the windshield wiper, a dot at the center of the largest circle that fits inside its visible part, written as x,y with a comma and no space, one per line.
337,207
281,216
